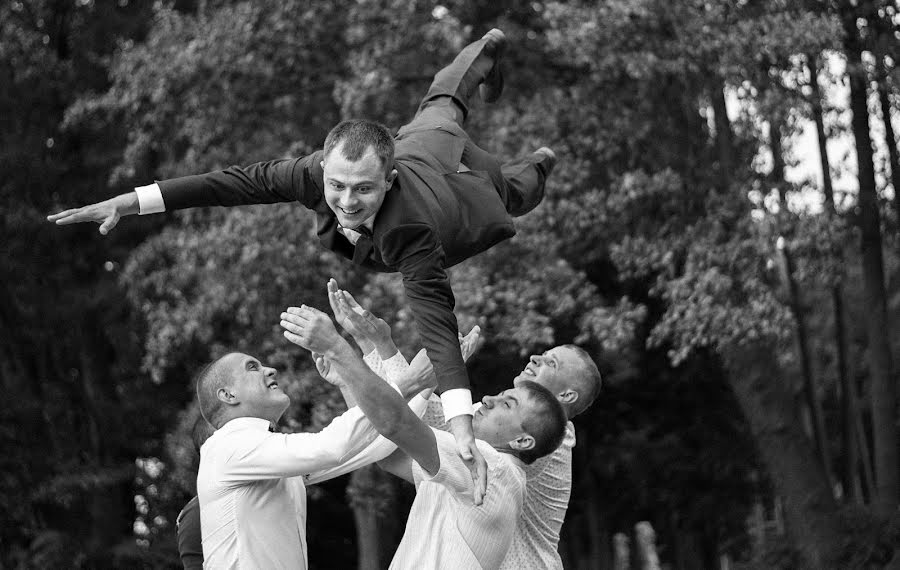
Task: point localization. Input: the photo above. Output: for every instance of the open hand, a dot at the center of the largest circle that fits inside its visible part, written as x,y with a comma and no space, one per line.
471,343
106,213
326,371
419,376
359,322
461,426
312,329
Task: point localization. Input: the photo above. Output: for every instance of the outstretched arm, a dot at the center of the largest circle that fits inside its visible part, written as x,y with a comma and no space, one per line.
387,411
415,251
261,183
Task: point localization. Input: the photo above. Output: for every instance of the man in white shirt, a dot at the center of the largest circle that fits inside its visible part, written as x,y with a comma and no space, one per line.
445,528
250,482
570,374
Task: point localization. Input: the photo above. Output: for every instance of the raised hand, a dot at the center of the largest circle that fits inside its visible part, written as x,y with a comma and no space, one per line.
312,329
461,427
329,374
106,213
419,376
471,343
366,328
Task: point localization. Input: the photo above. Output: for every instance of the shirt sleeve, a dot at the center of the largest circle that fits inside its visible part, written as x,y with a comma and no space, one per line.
415,252
269,182
264,455
378,450
434,414
374,362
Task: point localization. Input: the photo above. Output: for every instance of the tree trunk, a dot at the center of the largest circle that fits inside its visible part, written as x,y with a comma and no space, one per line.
724,142
809,387
849,473
777,175
889,138
883,389
365,515
768,403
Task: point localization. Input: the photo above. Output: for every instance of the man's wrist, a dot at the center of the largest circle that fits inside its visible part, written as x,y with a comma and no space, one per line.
457,402
364,344
386,348
339,352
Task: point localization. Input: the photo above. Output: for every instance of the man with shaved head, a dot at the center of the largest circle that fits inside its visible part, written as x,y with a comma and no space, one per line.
250,483
571,375
446,529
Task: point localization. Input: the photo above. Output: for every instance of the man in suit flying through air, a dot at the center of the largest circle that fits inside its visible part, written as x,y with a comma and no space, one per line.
416,203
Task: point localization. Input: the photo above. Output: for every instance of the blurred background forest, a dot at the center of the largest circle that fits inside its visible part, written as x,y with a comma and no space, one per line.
721,233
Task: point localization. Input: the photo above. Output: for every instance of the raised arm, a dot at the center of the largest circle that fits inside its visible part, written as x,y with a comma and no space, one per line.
261,183
384,407
414,250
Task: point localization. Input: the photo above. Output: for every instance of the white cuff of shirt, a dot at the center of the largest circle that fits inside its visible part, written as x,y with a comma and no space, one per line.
372,360
457,402
150,199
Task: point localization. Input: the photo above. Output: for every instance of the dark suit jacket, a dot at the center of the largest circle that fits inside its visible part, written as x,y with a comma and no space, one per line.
187,530
433,217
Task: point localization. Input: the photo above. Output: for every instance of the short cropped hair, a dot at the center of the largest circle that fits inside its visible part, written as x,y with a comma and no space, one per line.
546,423
357,136
589,380
201,432
209,380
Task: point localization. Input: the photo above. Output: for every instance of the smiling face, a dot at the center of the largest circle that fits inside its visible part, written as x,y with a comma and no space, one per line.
355,189
553,369
251,388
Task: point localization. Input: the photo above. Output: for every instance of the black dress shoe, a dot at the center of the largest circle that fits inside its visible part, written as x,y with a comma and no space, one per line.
492,86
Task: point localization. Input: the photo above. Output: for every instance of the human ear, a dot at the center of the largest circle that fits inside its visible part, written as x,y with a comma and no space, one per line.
226,396
390,178
522,443
568,396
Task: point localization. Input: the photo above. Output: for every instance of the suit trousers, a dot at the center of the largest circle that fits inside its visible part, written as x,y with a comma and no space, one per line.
519,182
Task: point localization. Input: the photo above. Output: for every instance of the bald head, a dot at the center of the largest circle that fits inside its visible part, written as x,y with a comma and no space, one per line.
585,379
568,372
215,376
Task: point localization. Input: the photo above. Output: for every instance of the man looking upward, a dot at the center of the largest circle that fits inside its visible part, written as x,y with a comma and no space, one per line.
250,483
416,204
446,530
571,375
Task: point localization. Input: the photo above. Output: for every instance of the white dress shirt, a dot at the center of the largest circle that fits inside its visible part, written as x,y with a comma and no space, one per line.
445,530
252,496
548,486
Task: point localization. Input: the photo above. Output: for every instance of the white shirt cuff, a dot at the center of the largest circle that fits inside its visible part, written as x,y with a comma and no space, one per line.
150,199
457,402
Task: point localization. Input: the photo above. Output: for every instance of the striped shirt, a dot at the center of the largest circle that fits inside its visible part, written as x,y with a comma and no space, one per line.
547,489
548,485
445,530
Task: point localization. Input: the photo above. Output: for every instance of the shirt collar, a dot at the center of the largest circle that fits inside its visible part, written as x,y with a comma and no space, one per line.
368,223
248,422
